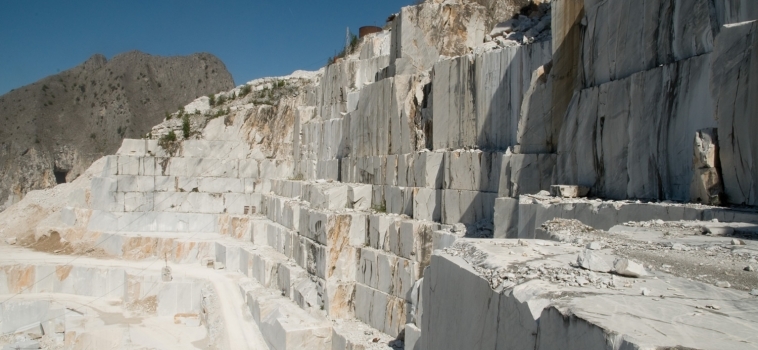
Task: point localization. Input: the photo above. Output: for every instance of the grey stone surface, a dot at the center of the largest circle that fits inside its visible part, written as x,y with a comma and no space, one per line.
590,261
658,32
472,171
506,218
526,314
735,11
623,140
526,174
626,267
478,100
733,83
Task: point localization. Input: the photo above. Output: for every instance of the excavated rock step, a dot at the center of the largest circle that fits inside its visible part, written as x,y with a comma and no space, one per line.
519,218
285,325
529,294
180,295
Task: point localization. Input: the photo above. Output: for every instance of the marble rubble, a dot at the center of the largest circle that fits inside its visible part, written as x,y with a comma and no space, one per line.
442,186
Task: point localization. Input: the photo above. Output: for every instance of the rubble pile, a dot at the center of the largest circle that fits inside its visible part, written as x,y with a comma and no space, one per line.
523,29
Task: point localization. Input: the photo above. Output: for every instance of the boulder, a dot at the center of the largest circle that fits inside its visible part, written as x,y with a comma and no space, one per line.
629,268
589,260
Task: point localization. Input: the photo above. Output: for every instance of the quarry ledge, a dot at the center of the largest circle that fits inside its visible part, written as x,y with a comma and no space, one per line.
532,295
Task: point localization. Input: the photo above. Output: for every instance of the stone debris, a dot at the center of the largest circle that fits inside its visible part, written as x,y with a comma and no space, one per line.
33,331
706,186
723,284
166,274
11,240
652,243
566,191
523,29
678,246
595,246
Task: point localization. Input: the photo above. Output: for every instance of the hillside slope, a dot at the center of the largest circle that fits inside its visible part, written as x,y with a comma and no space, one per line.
62,123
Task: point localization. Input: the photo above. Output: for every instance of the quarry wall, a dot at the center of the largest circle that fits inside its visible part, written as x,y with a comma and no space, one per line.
407,194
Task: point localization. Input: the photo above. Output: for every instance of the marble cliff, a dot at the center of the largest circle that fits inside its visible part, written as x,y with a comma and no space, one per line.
559,174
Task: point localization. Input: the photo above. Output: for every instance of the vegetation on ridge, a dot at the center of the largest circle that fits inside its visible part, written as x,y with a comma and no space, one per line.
354,41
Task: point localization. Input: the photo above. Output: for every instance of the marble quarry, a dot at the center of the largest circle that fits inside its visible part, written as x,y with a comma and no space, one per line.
574,174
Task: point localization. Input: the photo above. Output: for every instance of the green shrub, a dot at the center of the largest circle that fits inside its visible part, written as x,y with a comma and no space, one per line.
246,89
170,137
185,127
168,143
219,113
220,100
168,116
212,100
380,208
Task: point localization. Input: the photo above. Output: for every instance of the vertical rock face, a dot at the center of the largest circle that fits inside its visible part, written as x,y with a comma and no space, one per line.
56,127
735,11
734,85
567,17
624,139
623,37
478,100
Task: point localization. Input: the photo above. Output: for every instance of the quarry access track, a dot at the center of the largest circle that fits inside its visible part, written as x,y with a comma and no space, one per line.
235,324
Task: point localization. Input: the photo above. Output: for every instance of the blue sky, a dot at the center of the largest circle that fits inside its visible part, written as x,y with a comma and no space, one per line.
254,38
